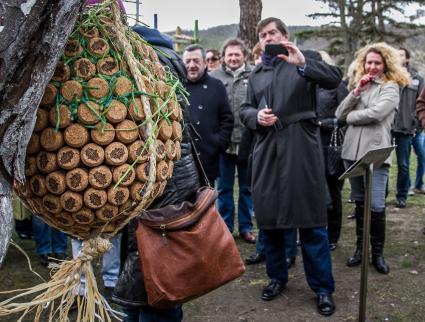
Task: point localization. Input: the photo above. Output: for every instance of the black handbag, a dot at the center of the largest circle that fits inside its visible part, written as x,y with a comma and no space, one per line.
334,163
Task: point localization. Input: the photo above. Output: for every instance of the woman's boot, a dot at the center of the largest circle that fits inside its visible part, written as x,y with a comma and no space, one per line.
356,259
377,239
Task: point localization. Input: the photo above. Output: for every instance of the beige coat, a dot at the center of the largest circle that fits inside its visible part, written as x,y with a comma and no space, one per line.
369,118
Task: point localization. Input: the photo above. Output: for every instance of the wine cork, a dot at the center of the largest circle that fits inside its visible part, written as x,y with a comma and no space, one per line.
64,220
162,89
30,165
170,150
23,190
33,146
124,174
148,84
71,90
159,70
136,109
123,86
107,212
76,135
173,110
62,72
176,131
160,150
46,162
125,207
77,179
92,155
103,134
80,229
100,177
42,120
161,171
97,87
89,32
73,48
36,205
170,168
68,158
156,190
165,130
178,150
84,69
107,66
52,203
118,196
116,154
142,172
116,112
49,96
127,132
95,199
89,113
56,183
98,47
38,185
138,151
137,191
60,116
51,140
84,216
71,201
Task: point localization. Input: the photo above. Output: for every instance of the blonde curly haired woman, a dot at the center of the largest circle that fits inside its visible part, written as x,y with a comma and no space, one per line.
369,112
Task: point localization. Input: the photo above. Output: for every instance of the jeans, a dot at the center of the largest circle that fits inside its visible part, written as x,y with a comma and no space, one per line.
225,185
418,143
316,258
403,142
379,187
48,240
110,263
151,314
290,241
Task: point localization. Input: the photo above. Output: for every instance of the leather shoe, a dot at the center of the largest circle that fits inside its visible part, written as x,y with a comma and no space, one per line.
255,259
332,246
290,261
325,304
356,259
248,237
272,290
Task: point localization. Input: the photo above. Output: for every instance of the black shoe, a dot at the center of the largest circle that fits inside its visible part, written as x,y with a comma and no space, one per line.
380,264
24,236
290,261
272,290
325,304
401,203
44,259
332,246
356,259
255,259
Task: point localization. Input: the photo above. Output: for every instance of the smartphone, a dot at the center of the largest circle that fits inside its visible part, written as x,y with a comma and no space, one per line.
276,49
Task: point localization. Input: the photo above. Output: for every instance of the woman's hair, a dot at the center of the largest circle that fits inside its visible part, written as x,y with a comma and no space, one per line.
256,51
393,70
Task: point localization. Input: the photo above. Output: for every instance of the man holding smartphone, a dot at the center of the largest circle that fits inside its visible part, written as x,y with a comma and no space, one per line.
288,177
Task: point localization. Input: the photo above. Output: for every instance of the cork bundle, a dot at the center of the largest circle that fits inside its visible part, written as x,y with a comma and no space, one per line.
107,132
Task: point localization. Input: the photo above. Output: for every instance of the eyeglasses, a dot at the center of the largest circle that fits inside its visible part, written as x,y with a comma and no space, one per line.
212,59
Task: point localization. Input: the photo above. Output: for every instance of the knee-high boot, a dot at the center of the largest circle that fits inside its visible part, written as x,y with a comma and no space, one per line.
377,240
356,259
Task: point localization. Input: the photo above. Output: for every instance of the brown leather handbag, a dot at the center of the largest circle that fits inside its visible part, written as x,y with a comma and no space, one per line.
186,250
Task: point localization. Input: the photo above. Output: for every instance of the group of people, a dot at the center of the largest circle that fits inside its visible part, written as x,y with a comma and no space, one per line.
269,126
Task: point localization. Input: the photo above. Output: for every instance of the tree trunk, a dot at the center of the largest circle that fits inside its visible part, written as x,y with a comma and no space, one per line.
250,15
32,37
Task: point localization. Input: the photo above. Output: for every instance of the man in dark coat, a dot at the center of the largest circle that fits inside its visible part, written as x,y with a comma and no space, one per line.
209,110
288,177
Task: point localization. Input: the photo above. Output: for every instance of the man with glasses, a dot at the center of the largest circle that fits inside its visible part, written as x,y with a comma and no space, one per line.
213,59
288,176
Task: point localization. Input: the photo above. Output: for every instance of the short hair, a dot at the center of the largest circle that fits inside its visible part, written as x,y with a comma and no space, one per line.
215,52
235,42
406,52
194,47
279,25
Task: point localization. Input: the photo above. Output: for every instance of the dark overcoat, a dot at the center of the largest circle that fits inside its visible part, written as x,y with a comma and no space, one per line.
288,177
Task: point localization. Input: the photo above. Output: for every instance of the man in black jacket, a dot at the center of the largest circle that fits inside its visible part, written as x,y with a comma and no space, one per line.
288,177
209,110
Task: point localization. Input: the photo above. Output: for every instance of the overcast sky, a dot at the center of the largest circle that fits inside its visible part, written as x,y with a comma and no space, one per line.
211,13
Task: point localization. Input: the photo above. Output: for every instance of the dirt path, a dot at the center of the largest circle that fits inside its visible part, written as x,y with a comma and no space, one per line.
399,296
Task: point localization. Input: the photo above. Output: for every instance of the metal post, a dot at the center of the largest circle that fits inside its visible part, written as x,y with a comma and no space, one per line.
365,251
155,21
137,11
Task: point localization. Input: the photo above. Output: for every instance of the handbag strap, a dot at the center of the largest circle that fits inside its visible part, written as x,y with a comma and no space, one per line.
336,137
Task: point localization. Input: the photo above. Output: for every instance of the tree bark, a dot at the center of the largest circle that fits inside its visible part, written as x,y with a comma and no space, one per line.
33,34
250,15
